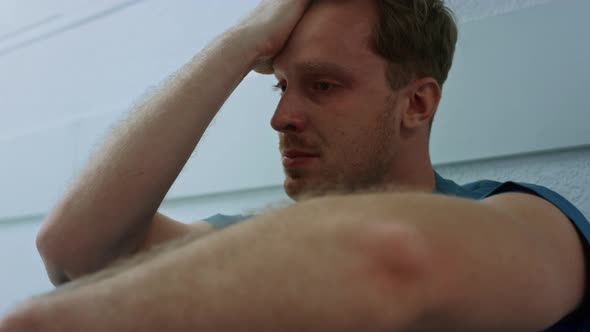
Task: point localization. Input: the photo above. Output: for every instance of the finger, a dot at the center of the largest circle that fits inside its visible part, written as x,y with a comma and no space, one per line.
265,68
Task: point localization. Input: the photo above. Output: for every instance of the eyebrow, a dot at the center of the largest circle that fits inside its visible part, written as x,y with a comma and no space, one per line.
323,68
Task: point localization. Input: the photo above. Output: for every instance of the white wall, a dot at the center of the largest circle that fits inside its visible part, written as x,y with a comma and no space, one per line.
517,75
47,132
61,93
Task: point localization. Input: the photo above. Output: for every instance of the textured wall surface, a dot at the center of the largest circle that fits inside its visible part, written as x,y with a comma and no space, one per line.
469,10
565,172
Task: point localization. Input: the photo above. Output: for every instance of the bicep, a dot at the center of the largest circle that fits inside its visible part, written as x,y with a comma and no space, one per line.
516,260
556,244
164,229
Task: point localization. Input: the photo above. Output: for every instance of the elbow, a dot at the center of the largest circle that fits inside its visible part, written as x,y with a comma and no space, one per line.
56,275
45,242
48,249
403,271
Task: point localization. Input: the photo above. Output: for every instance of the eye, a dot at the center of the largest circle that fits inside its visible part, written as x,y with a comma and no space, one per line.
323,86
280,87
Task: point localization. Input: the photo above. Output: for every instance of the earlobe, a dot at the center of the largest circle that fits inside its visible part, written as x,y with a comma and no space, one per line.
424,96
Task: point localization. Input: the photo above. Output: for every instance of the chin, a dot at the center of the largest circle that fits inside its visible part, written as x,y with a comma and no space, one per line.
293,188
300,189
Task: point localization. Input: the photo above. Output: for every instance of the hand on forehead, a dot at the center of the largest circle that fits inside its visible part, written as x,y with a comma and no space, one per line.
330,30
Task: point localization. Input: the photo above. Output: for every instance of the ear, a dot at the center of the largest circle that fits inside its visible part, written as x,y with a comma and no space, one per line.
424,95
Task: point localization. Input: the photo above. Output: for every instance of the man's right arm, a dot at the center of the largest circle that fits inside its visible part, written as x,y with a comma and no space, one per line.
105,214
162,230
111,209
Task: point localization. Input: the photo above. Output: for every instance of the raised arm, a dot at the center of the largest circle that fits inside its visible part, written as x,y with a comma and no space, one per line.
110,210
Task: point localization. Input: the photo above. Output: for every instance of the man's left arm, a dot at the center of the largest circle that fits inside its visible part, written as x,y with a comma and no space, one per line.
374,262
511,262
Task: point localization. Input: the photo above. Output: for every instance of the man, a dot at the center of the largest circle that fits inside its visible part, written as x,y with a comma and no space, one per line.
371,245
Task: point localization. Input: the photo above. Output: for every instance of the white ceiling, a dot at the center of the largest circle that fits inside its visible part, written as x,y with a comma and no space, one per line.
20,16
16,15
468,10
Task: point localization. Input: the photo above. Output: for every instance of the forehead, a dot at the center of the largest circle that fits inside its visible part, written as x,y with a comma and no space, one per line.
332,31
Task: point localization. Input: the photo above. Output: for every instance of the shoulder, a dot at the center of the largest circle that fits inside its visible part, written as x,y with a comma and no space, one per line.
486,189
547,209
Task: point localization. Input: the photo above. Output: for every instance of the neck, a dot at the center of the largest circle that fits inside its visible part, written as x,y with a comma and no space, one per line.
417,178
414,171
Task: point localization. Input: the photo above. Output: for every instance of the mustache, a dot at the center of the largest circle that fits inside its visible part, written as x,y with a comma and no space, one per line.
296,142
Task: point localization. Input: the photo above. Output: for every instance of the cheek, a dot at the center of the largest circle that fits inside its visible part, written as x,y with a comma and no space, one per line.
350,127
351,143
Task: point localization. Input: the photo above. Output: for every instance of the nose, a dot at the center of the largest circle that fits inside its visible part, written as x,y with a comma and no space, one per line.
289,115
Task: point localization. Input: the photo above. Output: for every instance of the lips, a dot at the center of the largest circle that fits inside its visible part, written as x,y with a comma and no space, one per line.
293,158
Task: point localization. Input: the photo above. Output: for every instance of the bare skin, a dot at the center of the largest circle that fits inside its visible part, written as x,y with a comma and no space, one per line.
110,210
372,262
337,104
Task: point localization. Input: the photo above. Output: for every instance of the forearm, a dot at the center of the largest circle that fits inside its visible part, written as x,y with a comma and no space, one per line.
115,197
297,269
124,264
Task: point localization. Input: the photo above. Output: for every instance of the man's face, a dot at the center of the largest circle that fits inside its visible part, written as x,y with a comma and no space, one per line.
338,117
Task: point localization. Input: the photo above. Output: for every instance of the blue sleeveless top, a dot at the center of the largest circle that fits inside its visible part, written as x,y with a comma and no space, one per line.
579,320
